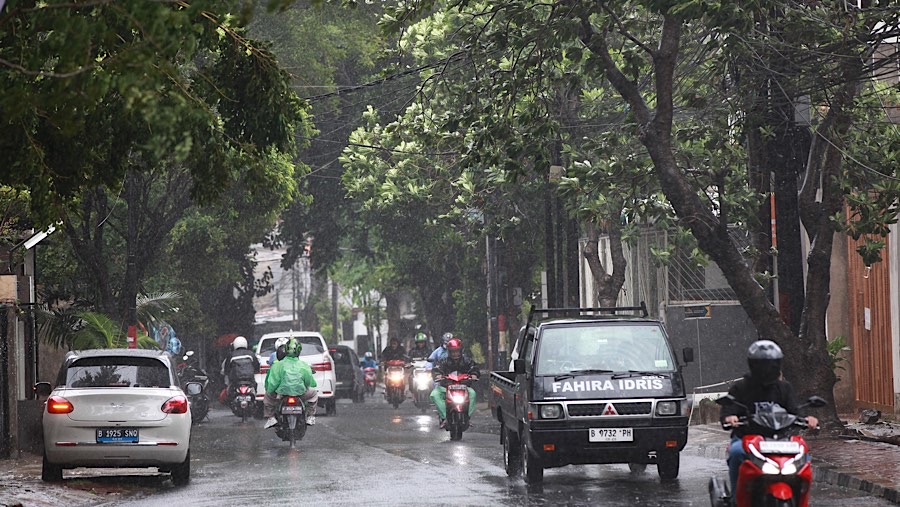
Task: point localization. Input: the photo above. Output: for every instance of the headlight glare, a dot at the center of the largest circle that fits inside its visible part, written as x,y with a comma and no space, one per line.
770,468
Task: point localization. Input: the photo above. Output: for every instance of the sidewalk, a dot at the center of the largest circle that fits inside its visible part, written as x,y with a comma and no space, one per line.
861,463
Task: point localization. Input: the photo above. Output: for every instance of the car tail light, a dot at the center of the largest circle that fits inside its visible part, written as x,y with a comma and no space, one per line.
176,405
263,368
59,405
291,400
323,366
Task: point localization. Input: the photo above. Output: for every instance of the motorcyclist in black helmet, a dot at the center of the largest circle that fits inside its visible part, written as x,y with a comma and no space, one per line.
762,385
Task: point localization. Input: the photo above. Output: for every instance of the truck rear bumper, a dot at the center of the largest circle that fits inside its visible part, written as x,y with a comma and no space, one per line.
560,447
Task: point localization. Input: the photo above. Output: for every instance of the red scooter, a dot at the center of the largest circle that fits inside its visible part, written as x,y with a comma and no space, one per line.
371,375
457,397
777,470
395,382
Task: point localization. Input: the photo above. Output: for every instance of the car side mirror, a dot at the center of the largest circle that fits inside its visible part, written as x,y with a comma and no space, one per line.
519,366
193,388
42,389
688,354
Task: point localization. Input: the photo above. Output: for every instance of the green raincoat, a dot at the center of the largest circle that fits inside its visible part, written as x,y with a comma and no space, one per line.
289,376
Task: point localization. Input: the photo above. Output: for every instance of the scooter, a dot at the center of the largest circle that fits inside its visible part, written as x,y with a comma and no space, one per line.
395,382
421,385
291,415
371,375
777,470
243,402
457,397
190,371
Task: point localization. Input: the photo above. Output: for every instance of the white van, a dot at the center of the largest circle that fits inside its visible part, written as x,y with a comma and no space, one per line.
314,352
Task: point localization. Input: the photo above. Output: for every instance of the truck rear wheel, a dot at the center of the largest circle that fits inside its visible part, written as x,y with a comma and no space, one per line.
532,467
512,453
667,465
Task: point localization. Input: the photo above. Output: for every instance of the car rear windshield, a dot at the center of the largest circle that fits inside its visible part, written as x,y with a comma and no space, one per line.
638,347
341,356
312,345
116,372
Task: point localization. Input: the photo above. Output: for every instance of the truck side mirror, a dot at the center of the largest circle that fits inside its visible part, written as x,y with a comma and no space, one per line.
519,366
688,354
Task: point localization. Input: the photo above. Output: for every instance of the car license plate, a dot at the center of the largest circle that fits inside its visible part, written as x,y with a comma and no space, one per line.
291,410
611,435
117,435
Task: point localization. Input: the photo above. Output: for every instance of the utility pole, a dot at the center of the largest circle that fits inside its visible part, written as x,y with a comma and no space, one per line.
334,312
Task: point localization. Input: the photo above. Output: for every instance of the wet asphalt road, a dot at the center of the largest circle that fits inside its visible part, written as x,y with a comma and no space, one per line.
373,454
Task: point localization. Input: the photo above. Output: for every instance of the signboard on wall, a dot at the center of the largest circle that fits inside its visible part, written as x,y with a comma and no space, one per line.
698,312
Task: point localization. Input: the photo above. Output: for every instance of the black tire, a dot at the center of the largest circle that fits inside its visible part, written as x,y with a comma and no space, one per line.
244,415
331,407
637,468
512,453
181,473
532,468
667,465
51,472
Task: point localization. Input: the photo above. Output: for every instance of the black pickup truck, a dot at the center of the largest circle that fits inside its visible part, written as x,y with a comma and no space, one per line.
590,386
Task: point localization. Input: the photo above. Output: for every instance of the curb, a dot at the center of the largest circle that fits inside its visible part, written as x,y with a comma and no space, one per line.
710,443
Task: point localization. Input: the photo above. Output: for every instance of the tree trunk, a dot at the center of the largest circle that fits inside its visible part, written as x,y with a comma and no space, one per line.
606,286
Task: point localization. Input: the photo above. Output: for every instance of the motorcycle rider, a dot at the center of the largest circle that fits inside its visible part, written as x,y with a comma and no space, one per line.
455,361
440,352
417,353
394,351
368,362
278,354
240,366
762,385
290,376
420,349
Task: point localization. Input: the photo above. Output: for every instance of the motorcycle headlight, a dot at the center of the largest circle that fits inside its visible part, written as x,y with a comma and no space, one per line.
667,408
551,411
789,468
458,398
770,468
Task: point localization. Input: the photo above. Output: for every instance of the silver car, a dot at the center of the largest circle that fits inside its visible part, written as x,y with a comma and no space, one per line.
117,408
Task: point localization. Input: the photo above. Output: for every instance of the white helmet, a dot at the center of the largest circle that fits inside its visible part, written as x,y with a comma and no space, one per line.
281,341
239,342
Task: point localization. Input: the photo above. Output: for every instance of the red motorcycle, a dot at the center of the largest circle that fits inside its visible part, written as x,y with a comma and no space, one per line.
777,470
457,397
371,375
395,381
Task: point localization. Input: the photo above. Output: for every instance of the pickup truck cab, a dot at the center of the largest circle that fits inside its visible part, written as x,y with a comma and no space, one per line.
591,386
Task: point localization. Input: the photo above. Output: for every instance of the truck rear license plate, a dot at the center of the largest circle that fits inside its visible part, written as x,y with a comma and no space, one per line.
611,435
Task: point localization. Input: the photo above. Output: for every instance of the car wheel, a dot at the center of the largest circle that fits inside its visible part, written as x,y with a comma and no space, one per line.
667,465
181,473
51,472
331,407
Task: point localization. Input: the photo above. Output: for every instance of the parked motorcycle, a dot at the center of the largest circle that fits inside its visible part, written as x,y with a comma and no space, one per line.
777,470
421,385
189,370
395,382
243,401
291,415
371,375
457,397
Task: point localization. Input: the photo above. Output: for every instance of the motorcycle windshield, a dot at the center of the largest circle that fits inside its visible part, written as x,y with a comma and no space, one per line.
773,416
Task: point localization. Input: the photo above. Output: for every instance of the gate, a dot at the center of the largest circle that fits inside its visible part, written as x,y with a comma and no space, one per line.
870,330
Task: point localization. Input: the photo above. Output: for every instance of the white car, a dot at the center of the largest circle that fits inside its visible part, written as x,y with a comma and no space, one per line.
314,352
117,408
